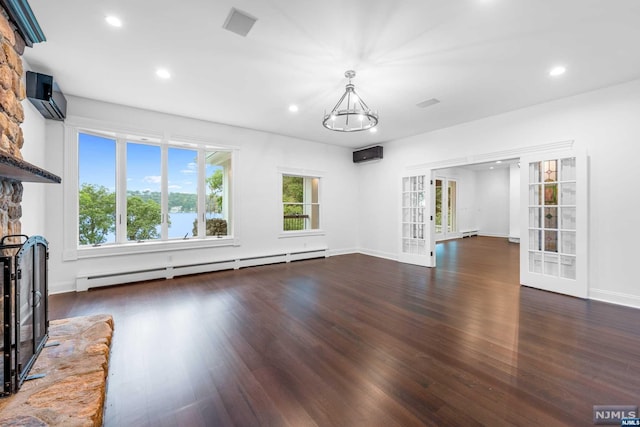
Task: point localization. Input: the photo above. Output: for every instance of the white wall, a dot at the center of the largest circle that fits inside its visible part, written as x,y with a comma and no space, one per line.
604,123
467,201
34,151
492,191
256,180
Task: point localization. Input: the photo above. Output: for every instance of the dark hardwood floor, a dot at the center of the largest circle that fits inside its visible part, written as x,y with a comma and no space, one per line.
359,341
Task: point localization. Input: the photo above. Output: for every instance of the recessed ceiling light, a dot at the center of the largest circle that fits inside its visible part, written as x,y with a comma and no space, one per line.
491,168
373,130
293,108
557,71
498,161
114,21
163,73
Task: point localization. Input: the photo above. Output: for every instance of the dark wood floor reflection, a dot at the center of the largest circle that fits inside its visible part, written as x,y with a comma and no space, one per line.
359,341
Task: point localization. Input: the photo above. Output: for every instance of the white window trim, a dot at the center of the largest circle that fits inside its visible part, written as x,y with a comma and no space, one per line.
72,251
305,173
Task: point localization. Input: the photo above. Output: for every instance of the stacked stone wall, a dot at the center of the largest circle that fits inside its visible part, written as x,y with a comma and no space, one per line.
12,92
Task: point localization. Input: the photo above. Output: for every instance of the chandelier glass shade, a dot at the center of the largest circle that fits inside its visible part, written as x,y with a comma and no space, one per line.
350,114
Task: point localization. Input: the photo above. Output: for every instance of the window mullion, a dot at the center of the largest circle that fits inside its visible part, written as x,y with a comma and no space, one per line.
121,190
201,188
164,192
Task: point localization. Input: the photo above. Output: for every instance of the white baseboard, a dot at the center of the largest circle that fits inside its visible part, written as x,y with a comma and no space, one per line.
114,277
336,252
61,287
618,298
504,236
378,254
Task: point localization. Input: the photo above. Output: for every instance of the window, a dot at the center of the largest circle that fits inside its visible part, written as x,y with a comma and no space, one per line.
140,190
300,203
96,192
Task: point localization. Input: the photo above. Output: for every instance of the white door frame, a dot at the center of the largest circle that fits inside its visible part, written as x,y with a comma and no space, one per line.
429,169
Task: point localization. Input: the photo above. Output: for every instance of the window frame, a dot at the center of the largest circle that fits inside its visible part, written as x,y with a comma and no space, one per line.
303,173
72,250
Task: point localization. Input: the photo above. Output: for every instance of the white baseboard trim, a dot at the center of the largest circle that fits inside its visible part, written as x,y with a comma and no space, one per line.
504,236
377,254
337,252
612,297
115,277
61,287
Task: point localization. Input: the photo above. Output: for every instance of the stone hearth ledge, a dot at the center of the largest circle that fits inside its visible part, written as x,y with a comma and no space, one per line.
73,391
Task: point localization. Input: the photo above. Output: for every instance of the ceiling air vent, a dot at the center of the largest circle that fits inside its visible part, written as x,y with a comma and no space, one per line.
428,103
239,22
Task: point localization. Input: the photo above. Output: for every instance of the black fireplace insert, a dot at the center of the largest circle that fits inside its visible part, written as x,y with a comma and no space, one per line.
24,310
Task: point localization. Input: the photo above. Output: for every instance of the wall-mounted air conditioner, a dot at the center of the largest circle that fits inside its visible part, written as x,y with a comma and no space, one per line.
45,94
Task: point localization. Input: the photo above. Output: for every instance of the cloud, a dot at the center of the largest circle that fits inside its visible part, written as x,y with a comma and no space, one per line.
191,168
152,179
175,187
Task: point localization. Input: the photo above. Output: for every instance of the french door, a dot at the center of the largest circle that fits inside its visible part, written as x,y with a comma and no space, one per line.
416,245
553,244
446,226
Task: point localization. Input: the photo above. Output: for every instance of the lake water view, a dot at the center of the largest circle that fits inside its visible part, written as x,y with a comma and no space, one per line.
181,225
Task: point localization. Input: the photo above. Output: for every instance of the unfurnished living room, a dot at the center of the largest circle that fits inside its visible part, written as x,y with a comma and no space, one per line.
295,213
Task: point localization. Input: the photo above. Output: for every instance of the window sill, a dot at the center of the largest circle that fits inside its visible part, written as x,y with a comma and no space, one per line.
151,247
305,233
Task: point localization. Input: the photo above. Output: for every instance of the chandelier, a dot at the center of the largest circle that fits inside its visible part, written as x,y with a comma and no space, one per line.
350,114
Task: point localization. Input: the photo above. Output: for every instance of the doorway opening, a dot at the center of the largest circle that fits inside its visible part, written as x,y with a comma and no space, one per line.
475,199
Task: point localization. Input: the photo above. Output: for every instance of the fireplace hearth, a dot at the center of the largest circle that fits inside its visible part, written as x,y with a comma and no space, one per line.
24,310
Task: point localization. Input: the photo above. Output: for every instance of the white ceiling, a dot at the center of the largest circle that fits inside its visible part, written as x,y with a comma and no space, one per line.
478,57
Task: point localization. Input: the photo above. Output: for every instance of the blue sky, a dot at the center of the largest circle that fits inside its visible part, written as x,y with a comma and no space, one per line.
97,160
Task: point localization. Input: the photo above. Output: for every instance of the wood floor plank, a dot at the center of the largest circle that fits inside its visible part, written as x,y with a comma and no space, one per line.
354,340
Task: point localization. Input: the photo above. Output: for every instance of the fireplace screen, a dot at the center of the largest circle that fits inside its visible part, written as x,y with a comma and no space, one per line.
24,308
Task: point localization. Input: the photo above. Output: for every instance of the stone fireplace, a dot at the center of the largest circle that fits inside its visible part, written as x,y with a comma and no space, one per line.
23,305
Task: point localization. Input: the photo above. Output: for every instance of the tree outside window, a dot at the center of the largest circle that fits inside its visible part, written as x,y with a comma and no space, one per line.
300,203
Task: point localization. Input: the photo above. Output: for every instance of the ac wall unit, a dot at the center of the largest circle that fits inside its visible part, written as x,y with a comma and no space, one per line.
45,95
372,153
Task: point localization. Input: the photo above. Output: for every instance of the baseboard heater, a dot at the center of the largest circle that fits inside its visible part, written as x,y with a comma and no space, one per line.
85,283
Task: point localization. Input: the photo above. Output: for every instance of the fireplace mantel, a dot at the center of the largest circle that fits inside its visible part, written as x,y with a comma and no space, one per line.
19,170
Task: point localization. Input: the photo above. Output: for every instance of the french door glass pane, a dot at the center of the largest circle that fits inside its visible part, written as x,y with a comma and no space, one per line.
535,262
144,215
535,194
183,192
551,194
550,171
550,217
535,217
97,186
534,172
568,169
568,218
568,242
551,267
550,240
568,267
568,193
535,240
